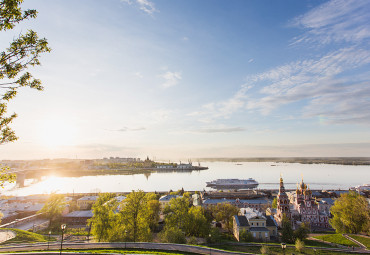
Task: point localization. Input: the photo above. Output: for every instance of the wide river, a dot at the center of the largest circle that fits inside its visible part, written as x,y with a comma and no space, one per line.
318,176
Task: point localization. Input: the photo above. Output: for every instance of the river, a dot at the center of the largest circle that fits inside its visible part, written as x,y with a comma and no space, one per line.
318,176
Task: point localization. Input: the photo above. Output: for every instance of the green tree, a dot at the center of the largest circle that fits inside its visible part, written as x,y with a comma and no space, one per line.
134,216
172,235
53,208
103,218
24,51
302,231
351,214
274,203
287,234
177,213
197,224
245,236
154,208
299,245
224,212
5,176
214,236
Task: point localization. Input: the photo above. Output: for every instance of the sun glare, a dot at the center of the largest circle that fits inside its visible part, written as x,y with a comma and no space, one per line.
56,133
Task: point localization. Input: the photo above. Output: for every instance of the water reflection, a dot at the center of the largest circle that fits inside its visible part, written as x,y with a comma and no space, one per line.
318,176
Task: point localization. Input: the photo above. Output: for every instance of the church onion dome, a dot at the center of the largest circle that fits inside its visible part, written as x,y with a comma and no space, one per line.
297,191
303,186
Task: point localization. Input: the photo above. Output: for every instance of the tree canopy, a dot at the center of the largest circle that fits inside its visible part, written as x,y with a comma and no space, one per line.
23,52
351,214
53,207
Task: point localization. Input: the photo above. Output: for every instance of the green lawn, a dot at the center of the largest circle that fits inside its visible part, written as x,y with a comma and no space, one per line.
129,251
337,239
362,239
277,250
26,237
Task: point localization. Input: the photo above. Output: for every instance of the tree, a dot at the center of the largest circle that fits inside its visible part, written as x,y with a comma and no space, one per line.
351,214
23,52
274,203
299,245
172,235
53,207
245,236
134,216
302,231
197,224
287,234
154,208
224,212
177,213
103,218
5,176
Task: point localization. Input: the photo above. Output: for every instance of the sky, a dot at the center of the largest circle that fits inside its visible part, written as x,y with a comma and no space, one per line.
190,79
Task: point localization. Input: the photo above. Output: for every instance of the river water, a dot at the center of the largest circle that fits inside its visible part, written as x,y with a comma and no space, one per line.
318,176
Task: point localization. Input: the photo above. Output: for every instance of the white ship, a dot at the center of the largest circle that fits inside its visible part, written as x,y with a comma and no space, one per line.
233,184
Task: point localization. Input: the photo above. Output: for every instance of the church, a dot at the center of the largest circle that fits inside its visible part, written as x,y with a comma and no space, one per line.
303,208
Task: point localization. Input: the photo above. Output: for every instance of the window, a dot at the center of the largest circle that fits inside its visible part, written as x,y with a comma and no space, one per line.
257,223
266,234
263,224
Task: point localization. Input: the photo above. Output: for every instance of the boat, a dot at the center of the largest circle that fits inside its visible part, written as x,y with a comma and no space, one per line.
233,184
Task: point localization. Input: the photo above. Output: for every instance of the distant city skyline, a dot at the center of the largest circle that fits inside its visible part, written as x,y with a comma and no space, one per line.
192,79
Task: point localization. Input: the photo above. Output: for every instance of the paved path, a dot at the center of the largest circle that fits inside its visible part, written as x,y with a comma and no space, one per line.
6,235
362,247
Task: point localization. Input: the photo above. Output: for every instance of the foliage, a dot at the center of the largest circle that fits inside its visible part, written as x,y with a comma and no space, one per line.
224,212
134,216
177,213
197,224
245,236
4,176
337,239
53,207
351,214
103,216
265,250
302,231
362,239
23,52
172,235
287,234
215,236
274,203
299,245
192,240
154,208
23,236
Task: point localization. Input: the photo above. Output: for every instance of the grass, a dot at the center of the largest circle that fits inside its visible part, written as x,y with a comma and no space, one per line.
277,250
362,239
337,239
26,237
314,243
130,251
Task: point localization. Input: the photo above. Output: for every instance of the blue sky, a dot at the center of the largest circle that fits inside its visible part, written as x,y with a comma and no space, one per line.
180,79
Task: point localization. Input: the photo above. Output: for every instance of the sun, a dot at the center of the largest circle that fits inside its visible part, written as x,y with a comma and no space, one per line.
55,133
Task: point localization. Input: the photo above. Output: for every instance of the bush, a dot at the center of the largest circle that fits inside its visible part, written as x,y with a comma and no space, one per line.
172,235
245,236
192,240
265,250
299,245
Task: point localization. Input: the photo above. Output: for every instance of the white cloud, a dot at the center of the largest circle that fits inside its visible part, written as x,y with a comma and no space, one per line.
335,21
144,5
171,79
250,60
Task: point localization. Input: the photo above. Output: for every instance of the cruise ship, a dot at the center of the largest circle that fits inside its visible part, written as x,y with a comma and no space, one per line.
233,184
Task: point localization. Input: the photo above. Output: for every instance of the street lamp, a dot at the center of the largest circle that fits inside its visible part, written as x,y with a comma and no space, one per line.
283,246
49,238
63,227
125,238
210,251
